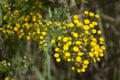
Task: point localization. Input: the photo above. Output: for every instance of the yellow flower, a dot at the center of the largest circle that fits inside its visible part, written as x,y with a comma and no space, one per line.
80,53
43,33
91,14
75,16
75,35
86,12
101,39
4,17
73,68
78,42
41,42
57,49
95,23
86,62
87,32
86,21
103,47
93,43
101,54
65,47
94,39
15,29
41,37
91,54
78,70
98,59
78,59
91,25
58,59
99,32
85,66
76,49
38,31
65,39
59,37
71,25
68,59
94,31
86,27
6,78
53,41
97,16
79,24
28,37
101,50
58,24
69,43
56,55
82,70
67,54
59,44
76,21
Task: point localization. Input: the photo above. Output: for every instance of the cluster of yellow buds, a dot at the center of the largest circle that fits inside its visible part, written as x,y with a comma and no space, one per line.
81,43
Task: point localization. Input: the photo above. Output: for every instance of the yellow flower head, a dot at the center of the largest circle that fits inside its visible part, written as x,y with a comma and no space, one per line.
97,16
86,21
75,35
57,49
78,59
65,47
56,55
71,25
99,32
53,41
86,62
43,33
28,37
75,16
58,60
65,39
86,12
91,14
67,54
59,37
75,48
86,27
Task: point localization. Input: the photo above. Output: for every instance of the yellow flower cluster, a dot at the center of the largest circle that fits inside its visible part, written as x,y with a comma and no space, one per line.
30,26
81,43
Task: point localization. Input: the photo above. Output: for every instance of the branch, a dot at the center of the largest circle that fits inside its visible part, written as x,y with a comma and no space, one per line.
109,18
115,31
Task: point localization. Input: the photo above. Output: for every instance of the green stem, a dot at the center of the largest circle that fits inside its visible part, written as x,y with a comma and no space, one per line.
48,71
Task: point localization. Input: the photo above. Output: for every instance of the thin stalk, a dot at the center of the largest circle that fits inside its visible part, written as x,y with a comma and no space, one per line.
38,73
48,65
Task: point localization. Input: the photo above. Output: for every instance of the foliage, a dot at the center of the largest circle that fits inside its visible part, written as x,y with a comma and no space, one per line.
78,43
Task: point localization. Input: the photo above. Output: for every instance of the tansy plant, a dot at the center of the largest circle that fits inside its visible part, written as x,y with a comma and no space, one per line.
81,42
78,42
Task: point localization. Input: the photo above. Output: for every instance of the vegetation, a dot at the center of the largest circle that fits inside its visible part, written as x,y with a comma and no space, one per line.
59,40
